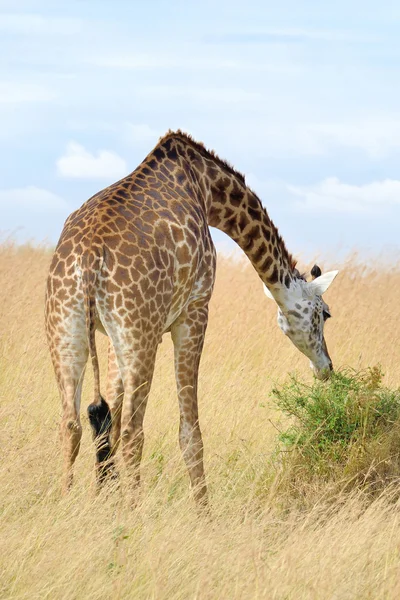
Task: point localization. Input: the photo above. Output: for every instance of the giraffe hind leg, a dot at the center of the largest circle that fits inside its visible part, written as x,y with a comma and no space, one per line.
71,433
70,379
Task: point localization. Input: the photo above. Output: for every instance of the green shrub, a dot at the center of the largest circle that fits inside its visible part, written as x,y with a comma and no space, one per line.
346,431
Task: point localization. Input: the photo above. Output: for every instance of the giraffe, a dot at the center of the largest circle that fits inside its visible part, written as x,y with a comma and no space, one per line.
136,261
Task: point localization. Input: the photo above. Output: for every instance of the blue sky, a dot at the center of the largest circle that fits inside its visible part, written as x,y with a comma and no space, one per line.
303,97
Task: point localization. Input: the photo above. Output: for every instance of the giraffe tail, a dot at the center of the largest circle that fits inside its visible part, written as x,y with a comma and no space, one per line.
98,411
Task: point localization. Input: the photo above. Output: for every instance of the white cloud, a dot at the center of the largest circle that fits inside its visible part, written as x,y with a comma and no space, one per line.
131,61
197,95
269,33
328,35
29,24
12,92
78,163
32,213
142,133
331,195
32,199
376,137
281,140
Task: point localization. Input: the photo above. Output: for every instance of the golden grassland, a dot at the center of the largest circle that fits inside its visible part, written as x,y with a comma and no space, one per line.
96,546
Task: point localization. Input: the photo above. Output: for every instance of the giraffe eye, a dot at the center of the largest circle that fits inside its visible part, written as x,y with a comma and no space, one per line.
326,315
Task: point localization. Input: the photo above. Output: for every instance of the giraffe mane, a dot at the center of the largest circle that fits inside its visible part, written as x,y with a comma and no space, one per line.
200,146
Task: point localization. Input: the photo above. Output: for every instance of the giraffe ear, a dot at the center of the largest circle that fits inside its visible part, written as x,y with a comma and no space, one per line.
316,272
320,284
268,293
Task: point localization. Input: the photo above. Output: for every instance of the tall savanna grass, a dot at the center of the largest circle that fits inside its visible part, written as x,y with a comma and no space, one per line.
253,545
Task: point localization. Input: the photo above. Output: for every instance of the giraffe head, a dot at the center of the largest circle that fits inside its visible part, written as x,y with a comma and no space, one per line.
302,314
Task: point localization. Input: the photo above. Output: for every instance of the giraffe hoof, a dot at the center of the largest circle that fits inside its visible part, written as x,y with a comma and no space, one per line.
106,472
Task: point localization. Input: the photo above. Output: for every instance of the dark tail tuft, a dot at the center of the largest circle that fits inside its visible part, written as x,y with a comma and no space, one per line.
100,421
99,417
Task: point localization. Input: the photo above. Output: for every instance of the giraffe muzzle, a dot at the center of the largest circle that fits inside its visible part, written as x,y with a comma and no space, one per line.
325,373
322,373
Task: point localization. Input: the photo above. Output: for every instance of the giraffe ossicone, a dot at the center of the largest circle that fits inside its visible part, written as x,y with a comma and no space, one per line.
136,261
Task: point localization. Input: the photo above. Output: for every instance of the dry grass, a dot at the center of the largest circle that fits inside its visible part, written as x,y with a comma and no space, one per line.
88,546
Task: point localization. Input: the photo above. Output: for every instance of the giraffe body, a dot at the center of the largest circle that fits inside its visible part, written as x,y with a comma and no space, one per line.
137,260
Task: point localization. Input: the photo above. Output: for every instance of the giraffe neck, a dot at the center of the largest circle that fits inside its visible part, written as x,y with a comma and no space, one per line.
231,206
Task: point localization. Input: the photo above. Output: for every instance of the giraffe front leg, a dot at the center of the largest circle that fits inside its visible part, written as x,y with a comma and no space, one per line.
188,337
